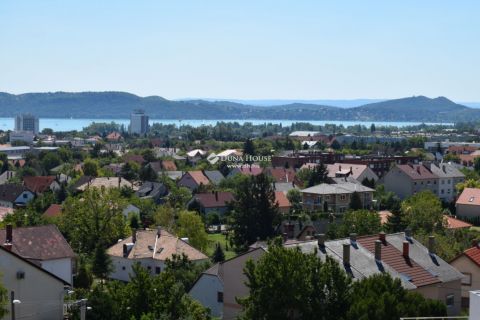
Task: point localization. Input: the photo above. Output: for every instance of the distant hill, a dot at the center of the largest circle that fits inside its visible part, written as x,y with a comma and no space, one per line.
278,102
118,105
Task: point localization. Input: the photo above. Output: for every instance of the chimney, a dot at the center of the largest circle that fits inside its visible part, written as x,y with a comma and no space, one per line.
381,237
406,249
346,254
339,168
321,240
351,170
159,231
353,238
431,244
134,235
9,234
216,196
125,250
378,250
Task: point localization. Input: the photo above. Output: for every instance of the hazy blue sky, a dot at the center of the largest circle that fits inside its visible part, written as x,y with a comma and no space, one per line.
249,49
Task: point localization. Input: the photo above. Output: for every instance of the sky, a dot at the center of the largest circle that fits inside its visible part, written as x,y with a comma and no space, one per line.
249,49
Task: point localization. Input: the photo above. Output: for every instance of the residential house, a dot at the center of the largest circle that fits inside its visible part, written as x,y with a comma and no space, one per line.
407,179
468,204
193,180
451,222
282,175
6,176
282,201
115,168
114,137
196,155
249,170
41,184
43,245
398,254
105,182
449,176
359,172
214,176
14,195
296,159
54,211
336,197
150,248
169,165
152,190
216,201
219,287
134,158
41,293
468,263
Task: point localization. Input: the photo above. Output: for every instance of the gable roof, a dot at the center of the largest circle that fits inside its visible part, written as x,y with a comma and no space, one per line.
214,199
9,192
454,223
198,177
39,243
470,196
214,176
416,171
282,200
354,170
106,182
54,210
134,158
169,165
473,254
34,265
282,174
148,245
446,170
38,184
342,188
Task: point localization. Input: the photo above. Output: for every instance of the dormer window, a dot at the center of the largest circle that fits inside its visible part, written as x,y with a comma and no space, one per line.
471,199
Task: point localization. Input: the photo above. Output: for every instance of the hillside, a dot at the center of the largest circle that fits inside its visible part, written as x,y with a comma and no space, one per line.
117,105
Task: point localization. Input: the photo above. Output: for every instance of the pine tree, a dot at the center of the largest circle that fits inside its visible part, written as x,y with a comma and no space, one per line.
248,147
218,255
356,202
102,264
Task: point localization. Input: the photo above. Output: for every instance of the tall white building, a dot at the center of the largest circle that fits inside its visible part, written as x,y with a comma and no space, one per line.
26,122
138,122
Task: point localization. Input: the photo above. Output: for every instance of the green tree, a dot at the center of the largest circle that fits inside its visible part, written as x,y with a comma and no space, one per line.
470,183
382,297
90,168
361,222
3,162
254,211
190,225
356,201
424,211
310,288
102,264
218,255
148,174
84,278
249,147
130,170
295,198
50,161
4,299
312,177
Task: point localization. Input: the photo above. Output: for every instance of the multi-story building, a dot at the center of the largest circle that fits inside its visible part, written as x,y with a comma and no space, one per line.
448,178
138,122
26,122
299,158
381,164
407,179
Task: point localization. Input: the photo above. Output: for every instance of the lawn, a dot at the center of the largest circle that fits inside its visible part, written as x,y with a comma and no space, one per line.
213,239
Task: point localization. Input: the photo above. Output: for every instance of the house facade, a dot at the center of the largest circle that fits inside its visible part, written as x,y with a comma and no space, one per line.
448,178
407,179
468,263
13,195
468,204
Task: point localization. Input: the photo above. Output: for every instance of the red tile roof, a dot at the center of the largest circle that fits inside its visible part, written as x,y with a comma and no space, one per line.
39,243
282,200
38,184
169,165
453,223
199,177
282,174
394,258
54,210
416,171
209,200
114,136
473,254
470,196
251,170
134,158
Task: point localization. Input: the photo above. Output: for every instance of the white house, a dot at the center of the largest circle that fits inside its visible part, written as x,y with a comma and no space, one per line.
40,293
150,248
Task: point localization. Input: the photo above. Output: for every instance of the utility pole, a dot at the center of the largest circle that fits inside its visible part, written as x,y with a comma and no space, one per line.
12,304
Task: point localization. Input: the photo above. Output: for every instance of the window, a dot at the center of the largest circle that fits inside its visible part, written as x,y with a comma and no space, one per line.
442,191
25,196
157,270
123,268
467,279
343,197
219,296
414,183
448,181
450,300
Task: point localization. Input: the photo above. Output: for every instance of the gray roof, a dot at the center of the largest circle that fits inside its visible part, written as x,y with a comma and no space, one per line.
284,186
174,175
341,188
152,190
214,176
446,170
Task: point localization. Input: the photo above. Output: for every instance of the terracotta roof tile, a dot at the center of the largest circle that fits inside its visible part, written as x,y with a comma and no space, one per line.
38,184
453,223
212,200
169,165
199,177
54,210
470,196
282,200
416,171
282,174
473,254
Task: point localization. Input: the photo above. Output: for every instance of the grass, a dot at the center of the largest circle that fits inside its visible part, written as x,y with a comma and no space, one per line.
213,239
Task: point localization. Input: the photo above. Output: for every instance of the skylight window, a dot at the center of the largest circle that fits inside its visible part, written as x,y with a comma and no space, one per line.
471,199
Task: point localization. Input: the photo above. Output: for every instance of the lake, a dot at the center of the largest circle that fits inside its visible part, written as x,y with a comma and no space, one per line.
79,124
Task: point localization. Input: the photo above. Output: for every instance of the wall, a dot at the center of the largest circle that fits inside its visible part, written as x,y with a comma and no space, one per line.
205,291
468,211
122,267
62,268
440,292
465,265
398,183
41,295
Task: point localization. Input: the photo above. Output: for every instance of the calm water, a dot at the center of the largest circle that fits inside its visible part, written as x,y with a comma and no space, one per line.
79,124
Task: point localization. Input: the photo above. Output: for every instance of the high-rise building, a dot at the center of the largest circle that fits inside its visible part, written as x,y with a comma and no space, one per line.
138,122
26,122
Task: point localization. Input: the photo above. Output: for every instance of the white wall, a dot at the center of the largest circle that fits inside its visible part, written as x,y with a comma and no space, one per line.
205,291
122,267
62,268
41,295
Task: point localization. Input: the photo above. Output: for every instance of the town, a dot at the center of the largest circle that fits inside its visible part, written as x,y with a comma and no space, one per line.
236,220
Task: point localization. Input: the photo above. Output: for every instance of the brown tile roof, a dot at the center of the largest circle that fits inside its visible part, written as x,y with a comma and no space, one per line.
38,184
282,174
356,169
134,158
394,258
54,210
462,149
282,200
470,196
212,200
453,223
9,192
169,165
114,136
149,246
251,170
473,254
39,243
199,177
416,171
